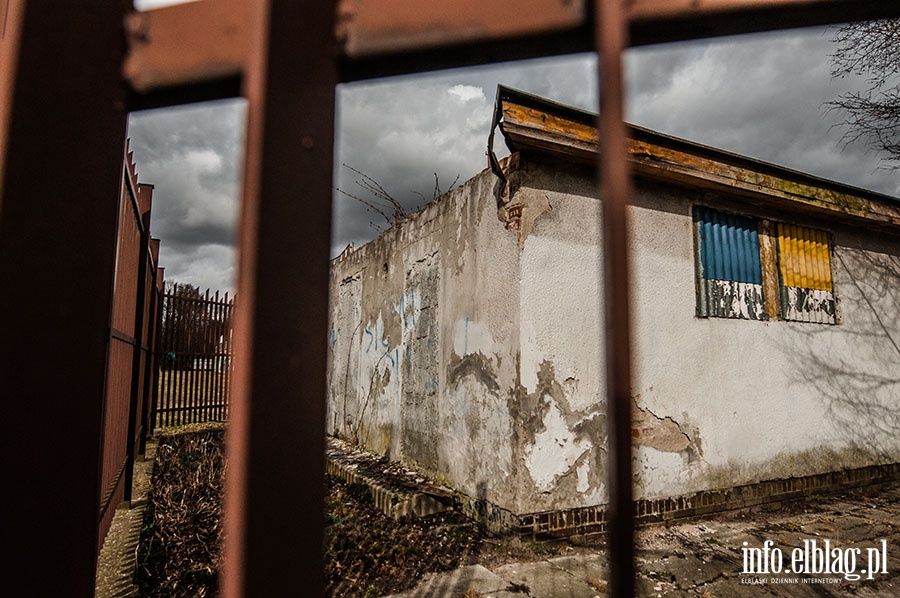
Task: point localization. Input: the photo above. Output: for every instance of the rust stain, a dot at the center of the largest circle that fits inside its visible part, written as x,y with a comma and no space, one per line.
549,123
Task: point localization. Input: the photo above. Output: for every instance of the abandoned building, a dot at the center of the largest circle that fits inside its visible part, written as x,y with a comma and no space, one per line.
467,341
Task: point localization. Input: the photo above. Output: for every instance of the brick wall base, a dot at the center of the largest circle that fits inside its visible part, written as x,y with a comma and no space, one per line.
587,521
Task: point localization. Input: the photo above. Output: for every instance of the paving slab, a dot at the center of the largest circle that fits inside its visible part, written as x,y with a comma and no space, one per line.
459,583
588,567
543,579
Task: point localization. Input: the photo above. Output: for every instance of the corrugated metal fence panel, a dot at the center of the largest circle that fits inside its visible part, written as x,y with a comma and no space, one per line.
730,273
804,264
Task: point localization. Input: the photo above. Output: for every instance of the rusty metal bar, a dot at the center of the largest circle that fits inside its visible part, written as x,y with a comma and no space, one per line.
390,37
9,58
63,130
615,194
656,21
186,52
196,51
273,522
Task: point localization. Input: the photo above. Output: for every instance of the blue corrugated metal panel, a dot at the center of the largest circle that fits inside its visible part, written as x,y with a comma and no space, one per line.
729,281
729,247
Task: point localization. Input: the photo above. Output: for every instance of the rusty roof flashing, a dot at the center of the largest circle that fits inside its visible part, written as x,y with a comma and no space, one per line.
539,127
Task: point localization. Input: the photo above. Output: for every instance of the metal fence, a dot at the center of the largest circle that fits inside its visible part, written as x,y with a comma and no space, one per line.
132,345
194,357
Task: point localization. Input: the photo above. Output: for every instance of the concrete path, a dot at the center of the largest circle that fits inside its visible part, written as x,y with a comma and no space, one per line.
118,557
706,558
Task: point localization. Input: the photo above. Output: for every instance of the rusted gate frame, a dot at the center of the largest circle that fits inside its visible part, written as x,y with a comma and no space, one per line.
57,41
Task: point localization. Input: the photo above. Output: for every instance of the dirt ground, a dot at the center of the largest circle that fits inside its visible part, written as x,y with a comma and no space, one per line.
368,554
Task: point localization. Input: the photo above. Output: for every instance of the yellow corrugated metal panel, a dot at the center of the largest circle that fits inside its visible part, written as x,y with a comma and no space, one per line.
803,257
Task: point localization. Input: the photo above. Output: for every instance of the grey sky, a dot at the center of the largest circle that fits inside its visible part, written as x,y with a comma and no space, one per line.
757,95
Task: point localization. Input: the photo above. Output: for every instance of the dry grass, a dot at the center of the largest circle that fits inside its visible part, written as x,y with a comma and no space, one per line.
179,551
366,553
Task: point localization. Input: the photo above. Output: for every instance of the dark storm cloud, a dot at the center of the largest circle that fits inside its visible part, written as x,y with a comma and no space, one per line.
192,157
402,131
761,96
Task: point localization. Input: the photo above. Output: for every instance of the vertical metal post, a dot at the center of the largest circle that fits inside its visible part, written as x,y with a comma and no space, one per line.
135,405
275,480
64,133
10,25
615,192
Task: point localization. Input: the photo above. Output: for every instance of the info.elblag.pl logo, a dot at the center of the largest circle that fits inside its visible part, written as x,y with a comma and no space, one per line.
816,557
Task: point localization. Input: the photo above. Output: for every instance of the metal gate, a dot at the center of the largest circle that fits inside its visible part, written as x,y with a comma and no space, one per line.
194,357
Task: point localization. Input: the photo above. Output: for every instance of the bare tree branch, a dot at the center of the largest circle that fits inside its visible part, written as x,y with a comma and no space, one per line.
871,116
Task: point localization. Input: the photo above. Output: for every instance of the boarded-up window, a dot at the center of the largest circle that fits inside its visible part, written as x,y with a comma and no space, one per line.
729,276
804,267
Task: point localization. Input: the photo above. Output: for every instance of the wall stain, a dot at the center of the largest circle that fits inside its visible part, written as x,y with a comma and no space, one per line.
377,385
587,427
521,207
813,461
476,365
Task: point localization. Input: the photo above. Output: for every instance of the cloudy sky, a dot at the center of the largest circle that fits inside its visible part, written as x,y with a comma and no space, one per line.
760,95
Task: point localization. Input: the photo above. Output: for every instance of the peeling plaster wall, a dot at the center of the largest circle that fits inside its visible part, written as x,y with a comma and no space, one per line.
468,342
560,411
424,338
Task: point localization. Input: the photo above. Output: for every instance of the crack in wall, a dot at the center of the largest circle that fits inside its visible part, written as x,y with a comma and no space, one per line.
664,434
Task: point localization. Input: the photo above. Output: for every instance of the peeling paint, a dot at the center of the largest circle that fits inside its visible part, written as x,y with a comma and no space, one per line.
807,305
730,299
419,314
522,211
560,449
661,433
471,344
520,206
554,450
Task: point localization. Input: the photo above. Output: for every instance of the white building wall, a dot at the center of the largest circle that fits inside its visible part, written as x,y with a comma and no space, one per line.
475,351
